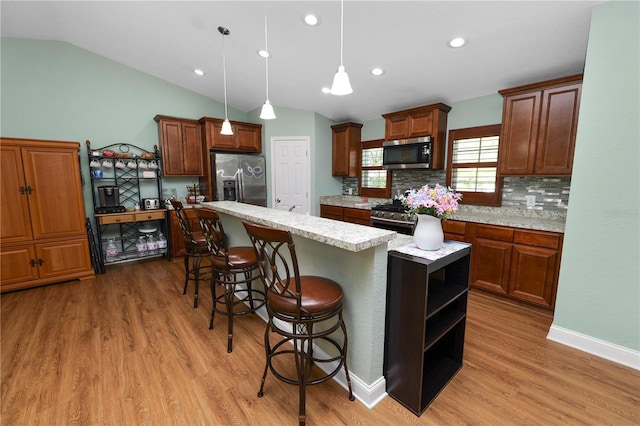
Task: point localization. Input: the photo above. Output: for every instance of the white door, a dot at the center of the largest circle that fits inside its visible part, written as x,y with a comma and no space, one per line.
290,173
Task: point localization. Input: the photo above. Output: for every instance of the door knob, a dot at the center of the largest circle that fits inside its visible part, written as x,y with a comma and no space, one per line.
278,200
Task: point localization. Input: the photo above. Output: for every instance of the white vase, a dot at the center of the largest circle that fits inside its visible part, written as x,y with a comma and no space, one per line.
428,234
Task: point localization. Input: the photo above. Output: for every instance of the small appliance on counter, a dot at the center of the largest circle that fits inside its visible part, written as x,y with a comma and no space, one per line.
109,200
151,203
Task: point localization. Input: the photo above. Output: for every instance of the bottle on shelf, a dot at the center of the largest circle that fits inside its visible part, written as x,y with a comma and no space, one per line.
111,251
152,245
141,246
162,243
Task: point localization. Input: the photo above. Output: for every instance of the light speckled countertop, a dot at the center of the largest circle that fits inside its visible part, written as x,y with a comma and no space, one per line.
348,236
553,221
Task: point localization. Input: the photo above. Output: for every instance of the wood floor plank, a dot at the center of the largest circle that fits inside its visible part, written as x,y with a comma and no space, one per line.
129,348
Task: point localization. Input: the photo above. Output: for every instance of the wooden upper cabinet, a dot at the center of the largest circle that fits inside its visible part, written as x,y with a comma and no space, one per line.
346,139
539,126
429,120
181,146
247,137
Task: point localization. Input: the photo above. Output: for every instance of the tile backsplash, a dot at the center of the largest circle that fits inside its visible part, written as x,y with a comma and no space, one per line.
551,193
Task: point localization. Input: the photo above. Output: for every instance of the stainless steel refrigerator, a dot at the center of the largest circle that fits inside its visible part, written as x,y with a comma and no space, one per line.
239,177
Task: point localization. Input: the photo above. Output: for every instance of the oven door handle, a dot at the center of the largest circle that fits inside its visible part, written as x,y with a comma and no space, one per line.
393,221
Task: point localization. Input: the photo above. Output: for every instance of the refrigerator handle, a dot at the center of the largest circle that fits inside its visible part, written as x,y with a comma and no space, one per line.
240,184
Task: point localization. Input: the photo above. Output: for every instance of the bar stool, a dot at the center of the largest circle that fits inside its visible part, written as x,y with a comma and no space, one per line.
233,270
295,304
195,248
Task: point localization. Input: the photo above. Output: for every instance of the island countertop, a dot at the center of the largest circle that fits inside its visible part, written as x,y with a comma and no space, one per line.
347,236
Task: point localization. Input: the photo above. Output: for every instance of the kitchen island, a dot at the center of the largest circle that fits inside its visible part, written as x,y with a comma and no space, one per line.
354,256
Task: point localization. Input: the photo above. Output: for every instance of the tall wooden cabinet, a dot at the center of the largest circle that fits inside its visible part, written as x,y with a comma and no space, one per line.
181,146
539,124
345,141
43,238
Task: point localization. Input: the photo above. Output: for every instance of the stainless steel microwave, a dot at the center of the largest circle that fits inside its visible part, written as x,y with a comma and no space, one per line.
412,153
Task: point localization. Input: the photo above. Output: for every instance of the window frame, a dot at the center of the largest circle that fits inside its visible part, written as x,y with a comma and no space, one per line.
470,197
373,192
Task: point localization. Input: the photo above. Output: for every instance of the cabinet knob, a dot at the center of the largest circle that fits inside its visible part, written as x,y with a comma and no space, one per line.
118,220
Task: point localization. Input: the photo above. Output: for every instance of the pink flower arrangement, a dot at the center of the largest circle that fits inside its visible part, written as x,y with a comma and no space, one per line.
438,201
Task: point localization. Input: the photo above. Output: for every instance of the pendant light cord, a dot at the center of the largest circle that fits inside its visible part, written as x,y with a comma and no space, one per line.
224,76
266,48
341,29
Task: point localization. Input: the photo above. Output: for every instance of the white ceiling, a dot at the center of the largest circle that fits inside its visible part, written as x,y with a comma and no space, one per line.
510,43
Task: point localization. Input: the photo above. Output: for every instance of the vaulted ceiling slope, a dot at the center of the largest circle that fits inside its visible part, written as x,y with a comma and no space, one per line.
509,43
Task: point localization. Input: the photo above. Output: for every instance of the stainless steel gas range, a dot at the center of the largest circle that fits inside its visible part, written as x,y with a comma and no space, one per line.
394,217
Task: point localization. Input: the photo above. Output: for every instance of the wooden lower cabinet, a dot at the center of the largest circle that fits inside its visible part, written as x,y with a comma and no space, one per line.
176,240
517,263
346,214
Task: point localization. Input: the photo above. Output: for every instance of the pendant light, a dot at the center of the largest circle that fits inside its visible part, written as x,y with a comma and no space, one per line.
267,109
341,85
226,125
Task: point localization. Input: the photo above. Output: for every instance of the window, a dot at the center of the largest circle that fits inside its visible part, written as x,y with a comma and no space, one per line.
374,180
472,164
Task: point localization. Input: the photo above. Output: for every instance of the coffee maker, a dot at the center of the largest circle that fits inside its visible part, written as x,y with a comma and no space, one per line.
109,200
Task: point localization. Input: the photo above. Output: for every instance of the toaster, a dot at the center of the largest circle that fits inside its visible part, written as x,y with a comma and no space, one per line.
150,203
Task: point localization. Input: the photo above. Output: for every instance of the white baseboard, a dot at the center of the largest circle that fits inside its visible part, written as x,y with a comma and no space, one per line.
594,346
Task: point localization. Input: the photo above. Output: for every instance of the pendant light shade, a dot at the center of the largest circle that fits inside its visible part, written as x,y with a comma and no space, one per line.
226,126
341,85
267,110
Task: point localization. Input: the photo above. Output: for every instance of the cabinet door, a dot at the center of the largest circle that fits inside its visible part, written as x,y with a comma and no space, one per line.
248,138
172,151
454,230
491,262
192,146
15,224
340,152
17,265
558,126
534,273
56,202
63,258
421,124
332,212
519,136
397,127
218,141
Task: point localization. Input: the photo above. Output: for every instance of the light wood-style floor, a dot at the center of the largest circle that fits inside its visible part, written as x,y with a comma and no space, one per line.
128,348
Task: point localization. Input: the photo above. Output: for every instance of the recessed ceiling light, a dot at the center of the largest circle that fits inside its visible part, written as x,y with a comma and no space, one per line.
326,90
311,20
457,42
198,71
264,53
377,71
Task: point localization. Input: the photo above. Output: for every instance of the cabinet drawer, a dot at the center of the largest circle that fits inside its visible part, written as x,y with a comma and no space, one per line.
143,216
454,227
494,232
116,218
537,238
357,213
331,212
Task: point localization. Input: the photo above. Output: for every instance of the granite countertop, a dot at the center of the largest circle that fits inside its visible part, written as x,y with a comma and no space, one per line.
540,220
347,236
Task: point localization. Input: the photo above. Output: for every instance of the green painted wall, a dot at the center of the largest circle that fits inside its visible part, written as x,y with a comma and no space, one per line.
599,288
